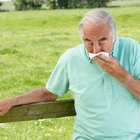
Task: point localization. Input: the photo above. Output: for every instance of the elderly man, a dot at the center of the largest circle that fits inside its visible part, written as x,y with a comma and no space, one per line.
104,75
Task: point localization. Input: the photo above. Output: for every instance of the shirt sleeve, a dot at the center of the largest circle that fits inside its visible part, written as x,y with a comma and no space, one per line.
136,66
58,82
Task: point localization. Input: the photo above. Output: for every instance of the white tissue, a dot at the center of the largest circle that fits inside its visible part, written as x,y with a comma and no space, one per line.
92,55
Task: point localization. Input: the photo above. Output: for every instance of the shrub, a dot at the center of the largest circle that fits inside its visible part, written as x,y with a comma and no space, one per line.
1,4
27,4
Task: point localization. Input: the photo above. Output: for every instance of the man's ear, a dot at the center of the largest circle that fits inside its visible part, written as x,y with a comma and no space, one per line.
114,39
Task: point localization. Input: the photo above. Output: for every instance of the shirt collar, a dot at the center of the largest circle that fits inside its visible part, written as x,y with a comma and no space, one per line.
115,50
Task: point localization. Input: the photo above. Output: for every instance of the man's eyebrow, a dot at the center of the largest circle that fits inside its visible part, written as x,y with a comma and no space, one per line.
86,39
102,39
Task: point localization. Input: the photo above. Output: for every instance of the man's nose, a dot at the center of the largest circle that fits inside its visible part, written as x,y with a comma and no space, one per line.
96,48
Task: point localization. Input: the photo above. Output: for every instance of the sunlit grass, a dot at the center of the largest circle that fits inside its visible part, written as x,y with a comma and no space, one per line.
124,3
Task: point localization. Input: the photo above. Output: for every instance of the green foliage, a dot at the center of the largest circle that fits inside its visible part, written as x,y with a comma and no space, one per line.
96,3
27,4
1,4
64,4
51,4
76,3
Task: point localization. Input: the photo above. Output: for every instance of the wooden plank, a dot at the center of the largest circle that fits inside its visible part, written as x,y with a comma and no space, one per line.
62,108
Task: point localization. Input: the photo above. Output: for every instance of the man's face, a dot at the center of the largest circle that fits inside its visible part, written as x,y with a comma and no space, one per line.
97,38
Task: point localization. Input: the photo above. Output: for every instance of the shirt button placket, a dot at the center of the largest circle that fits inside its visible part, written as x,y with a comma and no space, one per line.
107,89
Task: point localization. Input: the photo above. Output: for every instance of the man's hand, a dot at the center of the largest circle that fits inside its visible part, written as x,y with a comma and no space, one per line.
33,96
4,106
109,65
112,66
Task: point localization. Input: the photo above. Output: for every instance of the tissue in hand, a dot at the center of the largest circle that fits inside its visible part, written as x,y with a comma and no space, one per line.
92,55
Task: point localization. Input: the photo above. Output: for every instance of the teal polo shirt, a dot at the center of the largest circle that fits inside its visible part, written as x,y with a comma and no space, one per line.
105,108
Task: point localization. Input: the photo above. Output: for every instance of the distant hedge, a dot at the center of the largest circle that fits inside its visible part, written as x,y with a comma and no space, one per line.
27,4
58,4
1,4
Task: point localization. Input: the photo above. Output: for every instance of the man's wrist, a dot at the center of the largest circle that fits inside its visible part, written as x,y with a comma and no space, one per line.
129,79
11,102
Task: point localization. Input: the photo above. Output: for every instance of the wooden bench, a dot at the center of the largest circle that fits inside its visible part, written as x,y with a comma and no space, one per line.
61,108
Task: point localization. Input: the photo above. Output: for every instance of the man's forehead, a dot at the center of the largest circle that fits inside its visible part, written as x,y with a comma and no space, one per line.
94,31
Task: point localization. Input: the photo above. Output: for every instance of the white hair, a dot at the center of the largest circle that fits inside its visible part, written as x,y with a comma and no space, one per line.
96,17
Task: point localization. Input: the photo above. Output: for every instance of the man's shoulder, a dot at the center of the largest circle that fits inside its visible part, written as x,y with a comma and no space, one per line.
71,54
127,41
74,50
129,46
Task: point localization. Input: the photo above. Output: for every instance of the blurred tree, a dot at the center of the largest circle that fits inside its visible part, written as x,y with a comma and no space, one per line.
62,4
1,4
75,3
34,4
96,3
82,3
19,4
27,4
51,4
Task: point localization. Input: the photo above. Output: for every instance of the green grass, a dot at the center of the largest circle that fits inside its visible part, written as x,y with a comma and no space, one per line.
31,43
125,3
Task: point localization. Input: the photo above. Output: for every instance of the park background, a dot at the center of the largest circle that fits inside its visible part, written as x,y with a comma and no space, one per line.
30,44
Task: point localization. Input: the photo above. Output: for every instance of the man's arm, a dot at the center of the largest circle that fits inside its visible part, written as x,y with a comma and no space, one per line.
37,95
112,66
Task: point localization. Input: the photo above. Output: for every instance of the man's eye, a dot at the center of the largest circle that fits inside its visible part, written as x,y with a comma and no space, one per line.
89,43
102,43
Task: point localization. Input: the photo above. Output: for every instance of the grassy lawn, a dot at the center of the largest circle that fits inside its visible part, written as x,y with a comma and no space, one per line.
124,3
31,43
